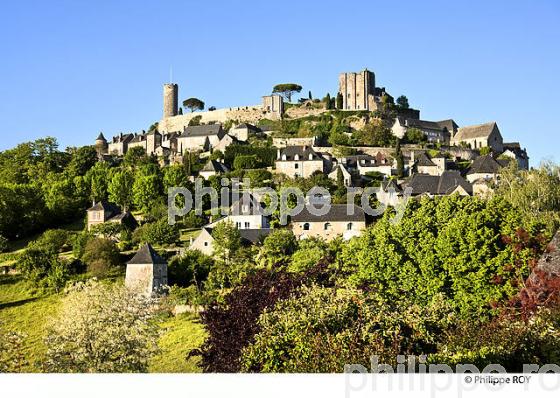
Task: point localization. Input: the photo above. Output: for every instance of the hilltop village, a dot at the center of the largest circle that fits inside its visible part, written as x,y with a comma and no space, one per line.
360,137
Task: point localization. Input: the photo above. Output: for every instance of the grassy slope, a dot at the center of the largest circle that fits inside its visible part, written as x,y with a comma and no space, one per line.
183,334
27,310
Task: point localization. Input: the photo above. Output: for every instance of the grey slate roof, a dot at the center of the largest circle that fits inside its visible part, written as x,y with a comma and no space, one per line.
147,255
424,160
247,126
204,130
123,138
385,185
475,131
449,124
253,236
550,260
302,151
336,213
444,184
101,137
485,165
214,165
105,205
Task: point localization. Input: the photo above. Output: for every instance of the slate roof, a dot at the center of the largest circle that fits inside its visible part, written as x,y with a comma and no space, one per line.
444,184
386,184
550,260
449,124
101,137
246,199
302,151
336,213
485,165
424,160
126,218
424,124
147,255
247,126
123,138
253,236
475,131
138,138
515,147
203,131
105,205
214,165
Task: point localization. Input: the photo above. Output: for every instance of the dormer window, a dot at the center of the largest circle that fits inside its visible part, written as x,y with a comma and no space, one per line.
310,156
296,157
349,226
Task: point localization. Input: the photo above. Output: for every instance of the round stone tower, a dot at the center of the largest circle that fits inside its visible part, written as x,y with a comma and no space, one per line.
170,99
101,144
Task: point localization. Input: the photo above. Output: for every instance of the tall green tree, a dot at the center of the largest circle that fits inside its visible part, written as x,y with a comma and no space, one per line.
120,188
194,104
402,101
339,101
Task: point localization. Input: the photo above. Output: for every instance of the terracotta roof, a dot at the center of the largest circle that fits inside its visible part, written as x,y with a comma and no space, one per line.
147,255
336,213
476,131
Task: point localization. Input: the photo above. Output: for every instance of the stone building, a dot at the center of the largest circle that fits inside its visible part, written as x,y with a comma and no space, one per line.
448,183
204,242
101,145
433,131
299,161
434,166
119,144
341,220
358,90
514,151
273,105
200,138
486,168
212,168
103,211
170,100
146,272
479,136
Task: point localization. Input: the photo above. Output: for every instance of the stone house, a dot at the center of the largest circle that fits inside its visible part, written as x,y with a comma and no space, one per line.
146,272
434,166
200,138
485,168
343,220
204,242
448,183
299,161
242,131
434,131
389,194
246,213
479,136
346,175
212,168
119,144
103,211
148,141
514,151
273,106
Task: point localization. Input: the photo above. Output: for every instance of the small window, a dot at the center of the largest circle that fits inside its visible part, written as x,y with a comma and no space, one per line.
349,226
238,225
327,226
306,226
205,244
247,224
296,166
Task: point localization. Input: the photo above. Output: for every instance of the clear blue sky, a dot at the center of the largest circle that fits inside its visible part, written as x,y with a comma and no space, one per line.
73,68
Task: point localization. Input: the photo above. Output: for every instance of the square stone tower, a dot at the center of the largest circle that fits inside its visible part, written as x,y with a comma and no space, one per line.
146,272
358,90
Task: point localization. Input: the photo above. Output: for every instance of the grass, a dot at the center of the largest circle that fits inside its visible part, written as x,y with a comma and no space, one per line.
28,310
183,333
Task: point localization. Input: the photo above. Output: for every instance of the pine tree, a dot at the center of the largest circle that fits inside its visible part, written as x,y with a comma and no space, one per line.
310,96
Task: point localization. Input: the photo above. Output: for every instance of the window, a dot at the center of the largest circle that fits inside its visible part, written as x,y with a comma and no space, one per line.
238,225
306,226
246,224
296,166
205,244
327,226
349,226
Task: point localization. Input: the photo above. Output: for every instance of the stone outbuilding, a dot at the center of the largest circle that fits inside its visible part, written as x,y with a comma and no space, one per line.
146,272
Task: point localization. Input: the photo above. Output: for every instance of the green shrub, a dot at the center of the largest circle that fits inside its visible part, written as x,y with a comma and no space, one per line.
100,255
191,268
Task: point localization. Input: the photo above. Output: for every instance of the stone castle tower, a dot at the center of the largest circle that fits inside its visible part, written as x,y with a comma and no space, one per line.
101,145
358,90
170,99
